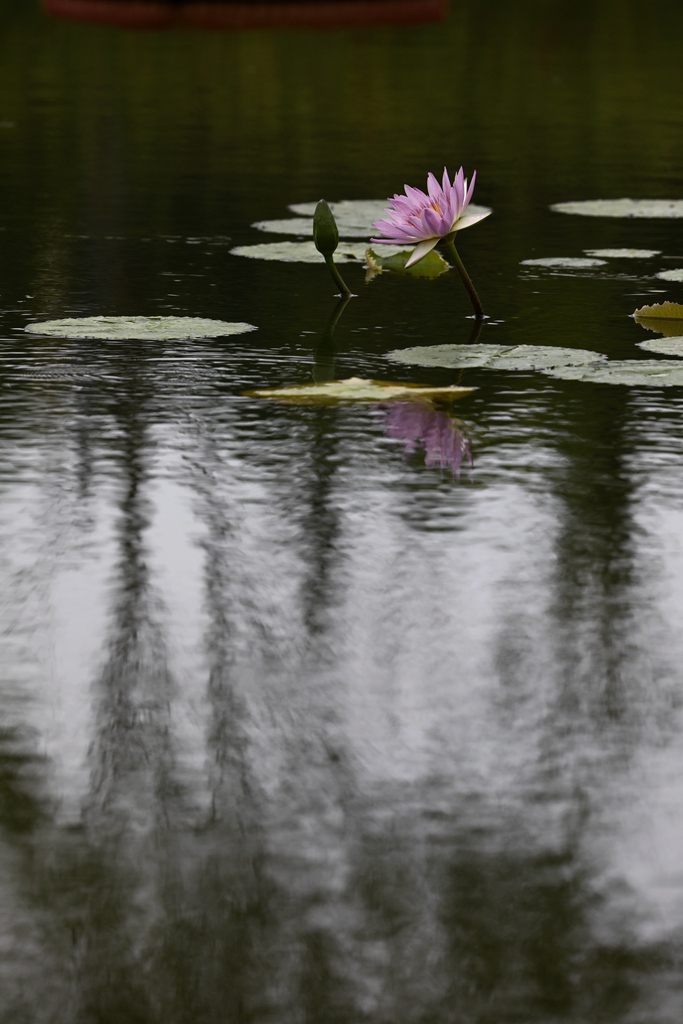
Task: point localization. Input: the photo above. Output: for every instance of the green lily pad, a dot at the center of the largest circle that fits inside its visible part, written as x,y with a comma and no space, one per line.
660,311
645,208
669,346
357,389
302,226
349,214
653,373
355,217
671,275
495,357
623,254
570,262
432,265
302,252
137,328
662,317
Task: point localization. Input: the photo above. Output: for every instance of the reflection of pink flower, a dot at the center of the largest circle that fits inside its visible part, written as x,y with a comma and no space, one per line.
422,219
421,425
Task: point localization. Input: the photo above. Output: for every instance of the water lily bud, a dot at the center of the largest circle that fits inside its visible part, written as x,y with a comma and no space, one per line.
325,233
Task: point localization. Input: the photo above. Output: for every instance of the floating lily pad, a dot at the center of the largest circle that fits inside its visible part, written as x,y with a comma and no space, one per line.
623,254
653,373
355,217
670,346
645,208
671,275
660,311
349,214
432,265
356,389
498,357
664,318
302,226
137,328
302,252
570,262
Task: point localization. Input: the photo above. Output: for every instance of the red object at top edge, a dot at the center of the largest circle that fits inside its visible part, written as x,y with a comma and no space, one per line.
243,15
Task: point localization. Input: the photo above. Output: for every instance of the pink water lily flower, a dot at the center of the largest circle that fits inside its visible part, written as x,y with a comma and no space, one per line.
422,219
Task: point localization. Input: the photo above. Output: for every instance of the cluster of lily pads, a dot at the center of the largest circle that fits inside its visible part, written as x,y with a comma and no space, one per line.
354,220
570,363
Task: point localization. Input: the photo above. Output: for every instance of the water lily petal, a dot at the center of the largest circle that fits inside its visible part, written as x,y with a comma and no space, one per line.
468,219
421,250
459,186
468,192
433,187
418,197
432,221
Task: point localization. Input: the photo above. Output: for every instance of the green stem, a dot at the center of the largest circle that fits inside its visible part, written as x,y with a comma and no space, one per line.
465,278
336,276
475,332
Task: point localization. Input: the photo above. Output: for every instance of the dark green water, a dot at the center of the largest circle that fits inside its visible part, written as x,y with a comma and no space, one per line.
294,727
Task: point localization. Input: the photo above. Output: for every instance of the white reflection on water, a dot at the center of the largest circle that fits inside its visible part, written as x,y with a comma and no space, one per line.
291,733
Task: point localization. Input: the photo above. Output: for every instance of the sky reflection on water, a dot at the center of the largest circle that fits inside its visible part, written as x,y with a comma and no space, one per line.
295,728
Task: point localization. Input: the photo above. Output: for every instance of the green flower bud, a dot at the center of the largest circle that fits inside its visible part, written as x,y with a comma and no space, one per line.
325,233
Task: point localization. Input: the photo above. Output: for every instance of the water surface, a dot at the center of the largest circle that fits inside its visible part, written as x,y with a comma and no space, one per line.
303,720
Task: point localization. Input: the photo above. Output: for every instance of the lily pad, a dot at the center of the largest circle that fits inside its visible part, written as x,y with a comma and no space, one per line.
432,265
302,226
570,262
664,318
355,217
357,389
137,328
302,252
349,214
671,346
653,373
671,275
495,357
623,254
638,208
660,311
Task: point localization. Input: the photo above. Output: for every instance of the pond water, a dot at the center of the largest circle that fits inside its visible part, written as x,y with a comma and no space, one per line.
355,713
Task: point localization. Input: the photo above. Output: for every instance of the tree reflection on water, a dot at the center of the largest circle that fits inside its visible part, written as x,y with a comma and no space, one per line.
274,876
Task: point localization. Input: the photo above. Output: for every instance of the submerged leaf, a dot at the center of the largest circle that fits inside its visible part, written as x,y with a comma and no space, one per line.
671,275
660,311
645,208
357,389
137,328
571,262
623,254
635,372
432,265
499,357
669,346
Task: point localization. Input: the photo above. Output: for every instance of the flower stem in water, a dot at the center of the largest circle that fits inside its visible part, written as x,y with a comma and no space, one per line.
336,276
465,278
